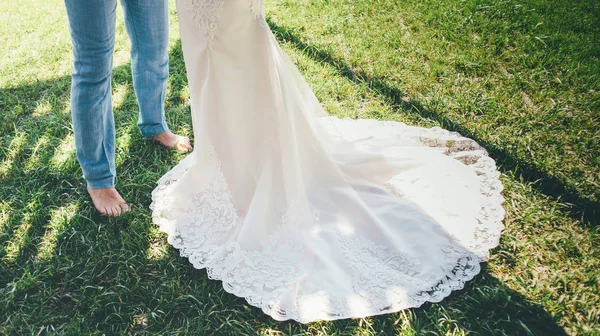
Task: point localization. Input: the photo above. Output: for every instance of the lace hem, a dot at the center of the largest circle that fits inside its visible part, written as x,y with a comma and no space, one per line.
243,273
257,8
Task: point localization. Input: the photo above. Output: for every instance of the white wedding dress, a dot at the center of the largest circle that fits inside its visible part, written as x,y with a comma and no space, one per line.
311,217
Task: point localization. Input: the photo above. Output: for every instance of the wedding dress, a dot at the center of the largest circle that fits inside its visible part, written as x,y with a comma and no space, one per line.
311,217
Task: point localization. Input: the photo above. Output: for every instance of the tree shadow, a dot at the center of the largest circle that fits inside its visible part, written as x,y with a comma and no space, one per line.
488,307
27,179
582,208
484,307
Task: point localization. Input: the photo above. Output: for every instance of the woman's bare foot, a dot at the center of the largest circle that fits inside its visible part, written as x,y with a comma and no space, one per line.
171,140
108,201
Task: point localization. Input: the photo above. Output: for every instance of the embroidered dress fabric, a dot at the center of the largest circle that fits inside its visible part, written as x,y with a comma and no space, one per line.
311,217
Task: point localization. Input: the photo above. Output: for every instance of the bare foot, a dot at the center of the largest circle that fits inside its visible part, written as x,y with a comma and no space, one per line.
171,140
108,201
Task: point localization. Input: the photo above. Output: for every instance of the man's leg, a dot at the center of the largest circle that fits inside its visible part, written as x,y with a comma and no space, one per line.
147,23
92,28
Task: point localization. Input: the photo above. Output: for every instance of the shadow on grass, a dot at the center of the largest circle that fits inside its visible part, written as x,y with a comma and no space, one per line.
485,307
99,278
584,209
30,179
33,292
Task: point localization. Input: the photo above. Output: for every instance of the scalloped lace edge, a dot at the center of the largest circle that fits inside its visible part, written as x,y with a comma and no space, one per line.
464,270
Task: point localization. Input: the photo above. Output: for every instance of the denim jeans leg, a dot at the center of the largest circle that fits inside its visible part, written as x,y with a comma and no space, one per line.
92,28
147,23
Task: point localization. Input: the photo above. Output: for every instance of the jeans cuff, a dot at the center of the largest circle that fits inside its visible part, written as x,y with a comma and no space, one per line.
149,131
105,182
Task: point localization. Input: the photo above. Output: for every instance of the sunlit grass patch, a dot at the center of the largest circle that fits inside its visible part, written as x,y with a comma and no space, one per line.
64,154
19,238
11,151
59,219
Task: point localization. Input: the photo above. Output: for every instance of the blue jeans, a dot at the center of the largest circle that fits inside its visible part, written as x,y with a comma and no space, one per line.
92,28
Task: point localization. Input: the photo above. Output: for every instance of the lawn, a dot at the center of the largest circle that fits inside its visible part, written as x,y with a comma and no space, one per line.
520,77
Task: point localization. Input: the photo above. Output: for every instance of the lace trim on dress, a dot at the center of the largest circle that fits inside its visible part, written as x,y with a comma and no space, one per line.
263,276
205,14
257,8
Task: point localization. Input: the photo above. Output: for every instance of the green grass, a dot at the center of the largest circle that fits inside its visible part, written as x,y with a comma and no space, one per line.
520,77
